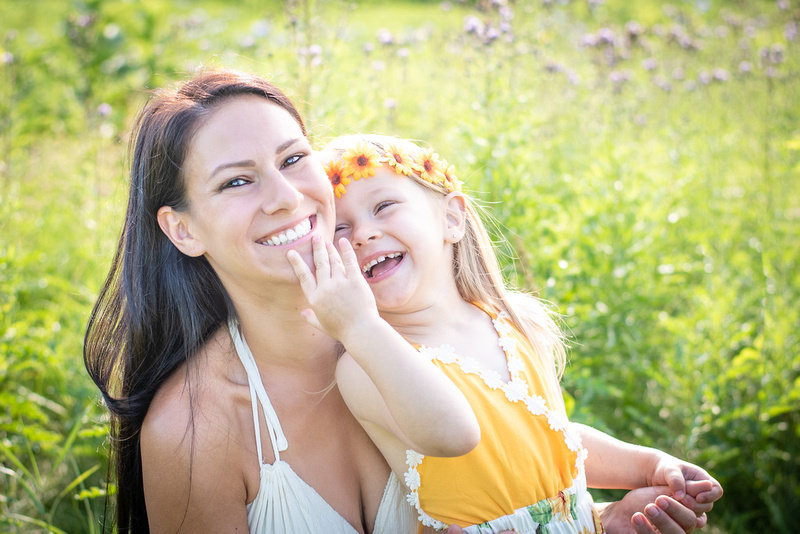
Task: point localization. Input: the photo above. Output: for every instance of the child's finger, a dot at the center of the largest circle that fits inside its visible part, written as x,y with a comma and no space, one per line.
696,487
349,259
676,483
307,281
335,259
311,317
321,260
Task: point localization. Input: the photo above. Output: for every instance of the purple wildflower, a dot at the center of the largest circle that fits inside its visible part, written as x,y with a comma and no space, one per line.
385,37
721,75
473,24
84,20
704,77
776,53
745,67
662,83
104,109
678,73
260,28
634,30
790,32
650,63
589,39
573,77
553,67
605,35
619,76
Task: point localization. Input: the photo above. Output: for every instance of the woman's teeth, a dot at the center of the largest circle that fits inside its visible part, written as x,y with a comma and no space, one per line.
290,235
366,268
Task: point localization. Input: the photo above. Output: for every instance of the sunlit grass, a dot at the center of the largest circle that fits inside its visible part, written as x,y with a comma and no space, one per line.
641,159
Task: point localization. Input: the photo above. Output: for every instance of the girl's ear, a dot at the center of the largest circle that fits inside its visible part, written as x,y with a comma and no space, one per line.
175,226
455,217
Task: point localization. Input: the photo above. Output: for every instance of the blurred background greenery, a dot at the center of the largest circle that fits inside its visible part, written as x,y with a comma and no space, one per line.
640,160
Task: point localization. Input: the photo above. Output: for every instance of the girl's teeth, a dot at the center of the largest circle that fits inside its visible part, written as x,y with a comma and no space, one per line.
379,259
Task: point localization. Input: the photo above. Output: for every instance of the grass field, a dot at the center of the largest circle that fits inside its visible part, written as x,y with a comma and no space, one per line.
640,162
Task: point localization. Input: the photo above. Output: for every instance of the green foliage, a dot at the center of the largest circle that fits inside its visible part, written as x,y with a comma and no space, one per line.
641,159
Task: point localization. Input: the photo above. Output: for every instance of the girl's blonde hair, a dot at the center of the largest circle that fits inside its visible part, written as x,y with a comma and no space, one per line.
475,267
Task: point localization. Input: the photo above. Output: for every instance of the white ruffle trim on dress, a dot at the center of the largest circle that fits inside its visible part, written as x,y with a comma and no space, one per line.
516,390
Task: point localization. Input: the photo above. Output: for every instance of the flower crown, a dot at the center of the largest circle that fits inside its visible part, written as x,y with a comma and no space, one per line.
361,161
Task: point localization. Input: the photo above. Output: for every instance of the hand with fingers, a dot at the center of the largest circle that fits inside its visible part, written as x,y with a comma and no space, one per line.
678,475
338,295
653,509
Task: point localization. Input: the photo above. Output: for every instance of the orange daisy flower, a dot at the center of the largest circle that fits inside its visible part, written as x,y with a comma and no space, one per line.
399,159
335,172
429,167
451,181
361,161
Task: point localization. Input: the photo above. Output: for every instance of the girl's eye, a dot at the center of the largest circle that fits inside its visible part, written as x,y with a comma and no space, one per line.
381,205
235,182
291,160
340,228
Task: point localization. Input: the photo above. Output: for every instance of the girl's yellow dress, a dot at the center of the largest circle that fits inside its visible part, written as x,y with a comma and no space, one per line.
526,474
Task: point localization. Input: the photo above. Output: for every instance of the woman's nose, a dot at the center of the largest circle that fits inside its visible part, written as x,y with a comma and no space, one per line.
280,194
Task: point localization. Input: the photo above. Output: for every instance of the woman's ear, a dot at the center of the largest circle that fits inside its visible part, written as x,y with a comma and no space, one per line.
174,224
455,216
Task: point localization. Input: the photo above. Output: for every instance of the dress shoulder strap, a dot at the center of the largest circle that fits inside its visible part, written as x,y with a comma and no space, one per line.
257,390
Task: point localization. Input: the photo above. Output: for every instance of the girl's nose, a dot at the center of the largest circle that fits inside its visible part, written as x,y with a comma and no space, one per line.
362,234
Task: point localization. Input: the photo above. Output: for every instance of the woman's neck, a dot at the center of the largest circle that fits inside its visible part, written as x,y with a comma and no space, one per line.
279,336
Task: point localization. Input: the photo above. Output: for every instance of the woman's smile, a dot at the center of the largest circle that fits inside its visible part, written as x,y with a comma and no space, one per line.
286,237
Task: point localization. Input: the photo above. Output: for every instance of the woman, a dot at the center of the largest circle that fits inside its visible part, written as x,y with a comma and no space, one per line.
199,319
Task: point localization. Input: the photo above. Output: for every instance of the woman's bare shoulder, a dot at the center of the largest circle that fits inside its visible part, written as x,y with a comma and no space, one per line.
191,444
196,387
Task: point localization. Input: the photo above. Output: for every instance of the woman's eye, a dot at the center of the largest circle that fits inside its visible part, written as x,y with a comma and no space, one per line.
291,160
235,182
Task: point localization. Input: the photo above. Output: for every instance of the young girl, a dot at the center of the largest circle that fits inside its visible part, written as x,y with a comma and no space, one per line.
405,228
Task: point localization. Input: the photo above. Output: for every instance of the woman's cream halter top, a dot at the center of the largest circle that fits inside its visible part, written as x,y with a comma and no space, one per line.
285,503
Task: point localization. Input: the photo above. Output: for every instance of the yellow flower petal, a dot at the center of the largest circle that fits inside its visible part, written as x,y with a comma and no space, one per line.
361,161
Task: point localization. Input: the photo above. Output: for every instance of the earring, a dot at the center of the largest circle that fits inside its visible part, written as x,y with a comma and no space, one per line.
455,235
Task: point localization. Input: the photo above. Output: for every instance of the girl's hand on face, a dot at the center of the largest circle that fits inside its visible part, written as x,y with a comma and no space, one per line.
340,299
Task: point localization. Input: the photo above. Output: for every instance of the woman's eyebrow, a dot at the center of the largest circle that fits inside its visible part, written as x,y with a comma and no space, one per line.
286,144
249,162
222,167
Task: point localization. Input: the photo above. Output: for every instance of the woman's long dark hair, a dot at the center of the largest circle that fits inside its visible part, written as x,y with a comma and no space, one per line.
157,306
